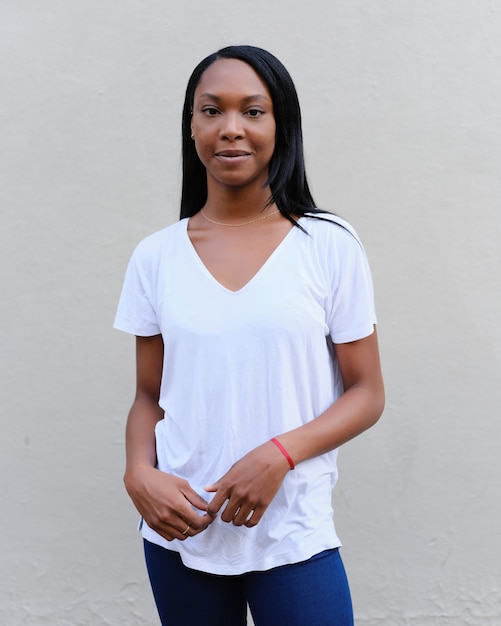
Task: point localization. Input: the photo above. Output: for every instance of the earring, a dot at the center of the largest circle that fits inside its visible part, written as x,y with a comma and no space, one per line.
192,135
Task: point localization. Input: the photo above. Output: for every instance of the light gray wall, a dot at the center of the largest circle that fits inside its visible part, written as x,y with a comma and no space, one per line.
402,122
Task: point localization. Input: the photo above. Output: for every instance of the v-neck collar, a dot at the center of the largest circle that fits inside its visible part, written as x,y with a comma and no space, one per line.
262,269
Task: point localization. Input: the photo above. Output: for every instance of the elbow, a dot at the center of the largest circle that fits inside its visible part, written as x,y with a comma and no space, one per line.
374,404
378,404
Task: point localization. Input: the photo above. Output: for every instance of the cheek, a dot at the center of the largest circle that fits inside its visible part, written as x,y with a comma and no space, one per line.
201,155
267,138
201,143
271,145
273,138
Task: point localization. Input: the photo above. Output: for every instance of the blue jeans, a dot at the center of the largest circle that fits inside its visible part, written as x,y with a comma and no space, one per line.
310,593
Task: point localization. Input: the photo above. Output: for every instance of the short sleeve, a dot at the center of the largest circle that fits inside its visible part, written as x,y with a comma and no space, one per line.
136,311
351,315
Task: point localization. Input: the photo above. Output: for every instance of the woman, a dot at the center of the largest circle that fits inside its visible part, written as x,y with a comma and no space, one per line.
256,358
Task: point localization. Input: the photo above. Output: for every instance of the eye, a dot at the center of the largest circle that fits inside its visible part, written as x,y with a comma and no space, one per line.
210,111
254,112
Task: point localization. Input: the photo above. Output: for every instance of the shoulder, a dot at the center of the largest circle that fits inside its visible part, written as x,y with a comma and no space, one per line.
330,229
154,245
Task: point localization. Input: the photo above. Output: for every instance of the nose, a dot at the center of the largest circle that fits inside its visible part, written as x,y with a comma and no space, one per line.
232,127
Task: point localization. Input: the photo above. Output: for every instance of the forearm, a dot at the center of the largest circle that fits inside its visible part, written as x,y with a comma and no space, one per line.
252,482
354,412
140,434
167,503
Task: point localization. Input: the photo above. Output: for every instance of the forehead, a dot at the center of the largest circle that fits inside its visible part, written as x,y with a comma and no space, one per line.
231,77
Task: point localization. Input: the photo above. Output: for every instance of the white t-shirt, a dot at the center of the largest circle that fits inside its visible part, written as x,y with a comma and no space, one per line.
242,367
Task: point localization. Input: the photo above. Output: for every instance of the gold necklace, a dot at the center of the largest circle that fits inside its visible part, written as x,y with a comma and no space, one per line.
258,219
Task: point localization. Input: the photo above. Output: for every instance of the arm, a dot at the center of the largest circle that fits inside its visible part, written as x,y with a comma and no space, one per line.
356,410
250,485
163,500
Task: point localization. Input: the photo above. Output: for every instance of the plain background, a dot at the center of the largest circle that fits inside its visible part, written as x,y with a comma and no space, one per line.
402,122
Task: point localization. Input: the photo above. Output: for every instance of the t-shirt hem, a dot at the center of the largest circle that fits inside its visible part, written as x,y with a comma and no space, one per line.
298,557
360,333
221,569
126,327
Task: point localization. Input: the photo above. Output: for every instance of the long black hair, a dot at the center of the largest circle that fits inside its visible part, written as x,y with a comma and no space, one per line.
287,176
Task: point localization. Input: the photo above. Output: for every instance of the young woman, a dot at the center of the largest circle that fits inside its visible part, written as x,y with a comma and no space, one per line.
256,358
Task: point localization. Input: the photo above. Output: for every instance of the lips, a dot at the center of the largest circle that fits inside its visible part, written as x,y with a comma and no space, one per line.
232,153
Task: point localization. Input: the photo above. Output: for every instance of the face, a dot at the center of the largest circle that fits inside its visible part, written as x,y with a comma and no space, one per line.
233,124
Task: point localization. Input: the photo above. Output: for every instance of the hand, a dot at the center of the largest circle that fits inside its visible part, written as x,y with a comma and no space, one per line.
165,502
249,486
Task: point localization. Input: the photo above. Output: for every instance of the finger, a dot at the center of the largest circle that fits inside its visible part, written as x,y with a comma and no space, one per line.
185,532
207,521
217,502
194,498
167,531
253,519
230,512
242,516
197,522
181,530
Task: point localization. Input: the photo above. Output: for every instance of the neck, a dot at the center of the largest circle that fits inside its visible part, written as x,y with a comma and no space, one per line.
235,203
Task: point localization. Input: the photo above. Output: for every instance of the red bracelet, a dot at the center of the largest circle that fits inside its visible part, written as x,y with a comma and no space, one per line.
284,452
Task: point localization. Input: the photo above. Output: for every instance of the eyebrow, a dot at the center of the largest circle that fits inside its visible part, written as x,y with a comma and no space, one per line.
245,100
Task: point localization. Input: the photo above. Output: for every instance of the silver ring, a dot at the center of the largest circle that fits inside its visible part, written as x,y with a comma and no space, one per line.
185,532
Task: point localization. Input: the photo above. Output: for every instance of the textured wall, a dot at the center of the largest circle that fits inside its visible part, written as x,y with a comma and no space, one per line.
403,138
